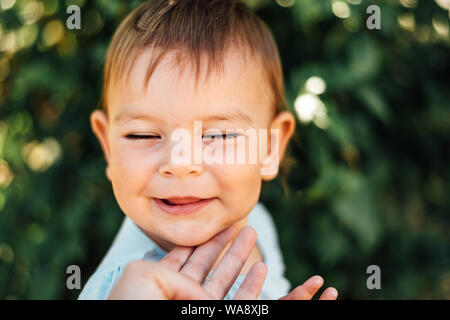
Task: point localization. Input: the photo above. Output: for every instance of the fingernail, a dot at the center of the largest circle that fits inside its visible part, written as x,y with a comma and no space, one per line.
318,280
334,292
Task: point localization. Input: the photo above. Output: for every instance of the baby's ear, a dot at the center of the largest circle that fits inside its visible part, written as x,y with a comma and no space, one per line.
284,124
108,172
99,125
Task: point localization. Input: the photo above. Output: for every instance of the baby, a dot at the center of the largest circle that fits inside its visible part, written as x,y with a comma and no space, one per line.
208,70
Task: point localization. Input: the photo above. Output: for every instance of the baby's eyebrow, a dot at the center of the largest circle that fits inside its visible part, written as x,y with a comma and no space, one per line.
126,115
129,115
238,116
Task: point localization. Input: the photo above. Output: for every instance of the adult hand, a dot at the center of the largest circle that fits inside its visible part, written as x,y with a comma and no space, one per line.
181,273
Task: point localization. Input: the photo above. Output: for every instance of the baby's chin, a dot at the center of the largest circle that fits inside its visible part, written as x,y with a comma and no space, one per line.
190,237
190,240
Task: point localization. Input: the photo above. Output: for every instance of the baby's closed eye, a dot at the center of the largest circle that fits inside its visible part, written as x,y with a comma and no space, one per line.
141,136
221,136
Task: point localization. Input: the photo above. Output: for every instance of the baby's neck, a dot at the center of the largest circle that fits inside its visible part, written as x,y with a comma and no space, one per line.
255,255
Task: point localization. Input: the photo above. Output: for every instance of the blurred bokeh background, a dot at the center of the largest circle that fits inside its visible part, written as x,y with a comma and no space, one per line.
369,180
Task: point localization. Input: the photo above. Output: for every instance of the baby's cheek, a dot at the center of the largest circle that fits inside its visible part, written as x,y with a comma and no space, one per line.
133,165
241,185
129,180
239,177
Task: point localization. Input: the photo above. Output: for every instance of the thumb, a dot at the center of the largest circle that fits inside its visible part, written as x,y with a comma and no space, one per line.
177,286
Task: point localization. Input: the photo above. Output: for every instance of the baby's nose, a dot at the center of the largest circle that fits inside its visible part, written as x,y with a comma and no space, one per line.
180,170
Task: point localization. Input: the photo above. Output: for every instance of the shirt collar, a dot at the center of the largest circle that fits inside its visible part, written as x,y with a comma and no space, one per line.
153,249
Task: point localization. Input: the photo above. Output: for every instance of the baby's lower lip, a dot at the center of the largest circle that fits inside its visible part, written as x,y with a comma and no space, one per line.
179,209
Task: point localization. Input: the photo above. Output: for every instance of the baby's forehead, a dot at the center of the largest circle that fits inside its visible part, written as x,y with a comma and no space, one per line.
237,90
183,66
237,76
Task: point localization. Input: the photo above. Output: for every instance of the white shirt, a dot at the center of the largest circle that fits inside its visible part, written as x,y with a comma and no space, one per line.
131,243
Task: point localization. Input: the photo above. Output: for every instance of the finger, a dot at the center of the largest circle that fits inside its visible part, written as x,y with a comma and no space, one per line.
176,258
204,256
231,264
175,286
329,294
253,283
305,291
146,280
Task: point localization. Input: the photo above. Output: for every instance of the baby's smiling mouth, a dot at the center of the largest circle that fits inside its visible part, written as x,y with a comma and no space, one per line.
182,205
181,200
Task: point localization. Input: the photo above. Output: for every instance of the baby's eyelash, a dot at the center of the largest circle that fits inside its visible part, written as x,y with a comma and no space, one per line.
141,137
221,136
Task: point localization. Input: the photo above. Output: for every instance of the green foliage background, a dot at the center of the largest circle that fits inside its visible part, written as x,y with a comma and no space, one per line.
369,187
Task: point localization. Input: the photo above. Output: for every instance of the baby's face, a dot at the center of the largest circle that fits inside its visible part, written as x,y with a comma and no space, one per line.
173,203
